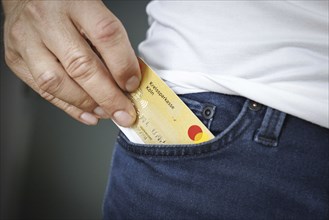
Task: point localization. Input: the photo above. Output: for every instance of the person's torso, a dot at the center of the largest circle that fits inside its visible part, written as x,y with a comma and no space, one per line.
274,52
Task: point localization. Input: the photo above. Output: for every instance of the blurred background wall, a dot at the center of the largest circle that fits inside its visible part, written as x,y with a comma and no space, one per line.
53,167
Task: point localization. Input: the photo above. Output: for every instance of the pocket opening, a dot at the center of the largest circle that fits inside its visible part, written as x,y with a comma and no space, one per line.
220,141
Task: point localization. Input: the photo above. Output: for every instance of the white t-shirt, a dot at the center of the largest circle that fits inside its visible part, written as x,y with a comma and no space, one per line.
273,52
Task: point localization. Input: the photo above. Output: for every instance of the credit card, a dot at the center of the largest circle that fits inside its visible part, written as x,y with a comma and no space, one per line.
162,117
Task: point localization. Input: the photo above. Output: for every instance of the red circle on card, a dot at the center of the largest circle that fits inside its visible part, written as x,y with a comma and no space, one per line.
193,131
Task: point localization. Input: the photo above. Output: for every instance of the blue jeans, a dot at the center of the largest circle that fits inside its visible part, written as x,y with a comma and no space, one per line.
262,164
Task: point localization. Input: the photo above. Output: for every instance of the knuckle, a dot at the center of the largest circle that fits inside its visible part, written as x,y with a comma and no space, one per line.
16,31
110,102
50,81
36,10
11,59
80,66
46,96
108,30
106,100
66,107
125,69
87,104
69,109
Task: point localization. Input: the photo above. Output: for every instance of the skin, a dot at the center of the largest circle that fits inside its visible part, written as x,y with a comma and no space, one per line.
75,54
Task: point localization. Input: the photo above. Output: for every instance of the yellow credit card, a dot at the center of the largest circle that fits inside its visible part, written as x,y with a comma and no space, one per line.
162,117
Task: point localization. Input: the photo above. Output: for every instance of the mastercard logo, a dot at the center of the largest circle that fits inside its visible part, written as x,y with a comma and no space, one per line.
196,134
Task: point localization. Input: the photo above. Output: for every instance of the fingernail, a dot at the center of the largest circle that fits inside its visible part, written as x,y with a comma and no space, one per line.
100,112
88,118
123,118
132,84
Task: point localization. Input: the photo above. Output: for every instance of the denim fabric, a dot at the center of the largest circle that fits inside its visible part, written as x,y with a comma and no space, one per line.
262,164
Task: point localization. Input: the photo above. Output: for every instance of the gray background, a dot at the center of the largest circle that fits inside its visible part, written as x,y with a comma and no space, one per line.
53,167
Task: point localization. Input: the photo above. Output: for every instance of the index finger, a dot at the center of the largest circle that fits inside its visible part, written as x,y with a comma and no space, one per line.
109,37
86,68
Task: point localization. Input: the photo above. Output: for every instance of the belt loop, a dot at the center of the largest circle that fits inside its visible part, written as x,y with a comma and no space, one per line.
269,132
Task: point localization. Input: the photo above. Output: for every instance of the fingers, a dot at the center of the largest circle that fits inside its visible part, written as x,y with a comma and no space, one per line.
51,78
86,68
19,67
109,37
83,80
84,117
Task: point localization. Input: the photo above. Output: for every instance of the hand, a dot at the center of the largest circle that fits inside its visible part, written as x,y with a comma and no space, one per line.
75,54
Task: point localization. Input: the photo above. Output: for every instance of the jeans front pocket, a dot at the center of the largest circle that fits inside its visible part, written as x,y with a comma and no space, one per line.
229,117
232,176
183,181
